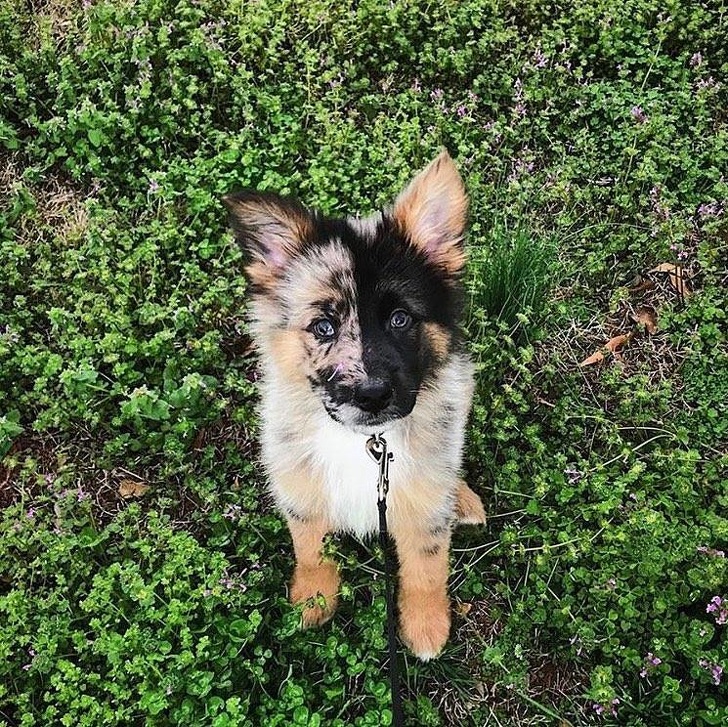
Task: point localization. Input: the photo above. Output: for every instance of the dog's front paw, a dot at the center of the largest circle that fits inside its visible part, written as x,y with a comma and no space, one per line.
317,589
469,508
424,622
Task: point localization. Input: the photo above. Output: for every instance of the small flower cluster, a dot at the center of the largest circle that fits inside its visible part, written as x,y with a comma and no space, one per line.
232,512
539,59
229,583
31,654
638,114
705,84
710,209
680,253
651,663
611,708
716,670
79,493
719,607
573,475
711,551
659,209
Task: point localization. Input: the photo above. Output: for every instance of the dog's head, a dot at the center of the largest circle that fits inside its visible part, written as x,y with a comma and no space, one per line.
360,311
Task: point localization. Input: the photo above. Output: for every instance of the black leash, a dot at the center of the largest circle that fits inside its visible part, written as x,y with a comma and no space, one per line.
377,449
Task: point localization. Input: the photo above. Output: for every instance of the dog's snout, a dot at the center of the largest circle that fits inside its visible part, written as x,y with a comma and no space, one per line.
373,395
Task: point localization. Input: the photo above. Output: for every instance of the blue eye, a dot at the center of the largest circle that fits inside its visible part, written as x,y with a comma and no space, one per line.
400,320
323,329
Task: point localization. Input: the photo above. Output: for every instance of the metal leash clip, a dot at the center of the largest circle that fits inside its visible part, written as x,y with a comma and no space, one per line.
377,450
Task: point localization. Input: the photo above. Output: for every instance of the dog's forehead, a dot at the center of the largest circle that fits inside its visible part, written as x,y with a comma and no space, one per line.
323,273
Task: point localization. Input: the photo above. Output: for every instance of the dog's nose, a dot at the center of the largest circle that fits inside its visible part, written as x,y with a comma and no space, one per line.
373,395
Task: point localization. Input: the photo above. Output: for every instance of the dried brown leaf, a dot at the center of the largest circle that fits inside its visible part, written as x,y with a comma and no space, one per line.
641,287
676,275
611,345
647,317
132,488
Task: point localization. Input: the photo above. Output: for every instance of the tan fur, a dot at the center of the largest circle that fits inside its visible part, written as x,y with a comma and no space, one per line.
433,211
315,582
468,506
424,606
439,340
278,232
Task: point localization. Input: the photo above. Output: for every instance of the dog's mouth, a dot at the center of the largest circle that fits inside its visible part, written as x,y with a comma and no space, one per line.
363,422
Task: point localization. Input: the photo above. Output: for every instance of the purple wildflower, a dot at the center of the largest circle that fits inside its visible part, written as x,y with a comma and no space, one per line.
600,708
232,512
153,186
638,114
31,654
462,111
661,211
518,89
651,663
696,59
707,83
711,551
719,607
31,513
716,670
539,59
710,209
573,474
679,252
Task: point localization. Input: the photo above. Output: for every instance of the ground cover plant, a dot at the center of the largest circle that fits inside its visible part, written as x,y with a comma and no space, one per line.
142,571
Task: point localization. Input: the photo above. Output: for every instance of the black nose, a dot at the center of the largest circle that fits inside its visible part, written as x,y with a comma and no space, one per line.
373,395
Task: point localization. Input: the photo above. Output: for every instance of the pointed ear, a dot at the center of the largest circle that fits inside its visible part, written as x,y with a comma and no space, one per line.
270,228
432,212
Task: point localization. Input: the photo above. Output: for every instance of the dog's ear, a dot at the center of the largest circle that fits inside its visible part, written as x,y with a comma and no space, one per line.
270,228
432,212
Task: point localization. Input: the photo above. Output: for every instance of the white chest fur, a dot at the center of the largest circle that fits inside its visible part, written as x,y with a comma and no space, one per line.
350,476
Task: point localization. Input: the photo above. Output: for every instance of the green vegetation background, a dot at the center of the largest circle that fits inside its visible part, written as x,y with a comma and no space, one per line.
143,572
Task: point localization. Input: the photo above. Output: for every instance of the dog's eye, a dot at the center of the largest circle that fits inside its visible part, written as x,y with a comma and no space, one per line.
400,320
323,329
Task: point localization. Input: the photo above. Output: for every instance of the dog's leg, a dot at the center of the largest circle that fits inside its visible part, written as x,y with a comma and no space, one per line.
469,509
315,580
424,606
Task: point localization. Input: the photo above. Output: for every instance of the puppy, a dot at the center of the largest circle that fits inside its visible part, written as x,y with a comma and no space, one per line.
356,324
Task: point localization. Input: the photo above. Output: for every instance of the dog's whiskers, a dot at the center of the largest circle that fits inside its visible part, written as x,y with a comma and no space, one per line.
336,371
